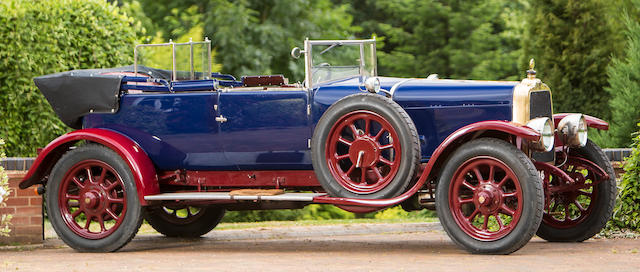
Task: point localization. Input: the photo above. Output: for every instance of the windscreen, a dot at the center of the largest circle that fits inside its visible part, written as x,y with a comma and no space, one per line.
337,60
186,61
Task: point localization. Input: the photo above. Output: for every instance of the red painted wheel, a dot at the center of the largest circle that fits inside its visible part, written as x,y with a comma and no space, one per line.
365,146
570,206
489,197
486,198
92,199
176,220
361,152
578,207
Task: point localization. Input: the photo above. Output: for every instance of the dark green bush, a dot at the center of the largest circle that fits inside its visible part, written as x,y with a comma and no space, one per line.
627,211
43,37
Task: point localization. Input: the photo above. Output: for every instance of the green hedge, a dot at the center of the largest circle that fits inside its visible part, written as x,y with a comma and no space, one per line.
4,192
627,211
43,37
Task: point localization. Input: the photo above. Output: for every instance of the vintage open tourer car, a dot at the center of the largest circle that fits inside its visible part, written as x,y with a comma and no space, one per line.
169,141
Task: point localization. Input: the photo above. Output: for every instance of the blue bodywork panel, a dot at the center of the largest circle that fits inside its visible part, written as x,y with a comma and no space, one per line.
270,130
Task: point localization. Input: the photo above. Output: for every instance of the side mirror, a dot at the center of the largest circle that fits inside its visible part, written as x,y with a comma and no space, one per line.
296,52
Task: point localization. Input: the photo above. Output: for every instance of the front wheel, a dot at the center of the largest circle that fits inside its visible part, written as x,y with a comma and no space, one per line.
489,197
92,200
183,221
583,207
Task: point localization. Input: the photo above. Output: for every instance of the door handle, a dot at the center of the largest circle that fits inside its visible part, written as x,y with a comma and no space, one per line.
221,119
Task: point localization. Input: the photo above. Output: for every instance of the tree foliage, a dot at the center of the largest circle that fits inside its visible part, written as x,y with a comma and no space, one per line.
624,89
44,37
456,39
572,42
254,37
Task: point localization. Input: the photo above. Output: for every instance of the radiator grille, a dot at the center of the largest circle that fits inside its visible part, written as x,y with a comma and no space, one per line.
540,106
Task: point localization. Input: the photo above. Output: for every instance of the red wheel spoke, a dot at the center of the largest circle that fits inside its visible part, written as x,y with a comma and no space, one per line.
354,130
491,173
473,215
363,173
111,214
584,193
506,210
77,182
367,126
76,213
102,176
342,157
465,200
579,206
112,186
386,146
378,174
485,224
353,167
89,175
385,161
115,200
345,141
501,183
71,197
88,222
512,194
468,185
567,216
101,222
375,138
500,224
478,175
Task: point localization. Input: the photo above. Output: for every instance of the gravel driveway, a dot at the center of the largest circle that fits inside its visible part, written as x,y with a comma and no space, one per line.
358,247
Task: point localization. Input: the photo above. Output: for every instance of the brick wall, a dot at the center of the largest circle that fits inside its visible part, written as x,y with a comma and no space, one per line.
26,208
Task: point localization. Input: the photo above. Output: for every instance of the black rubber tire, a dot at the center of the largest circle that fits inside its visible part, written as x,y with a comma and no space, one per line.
531,189
604,203
208,218
396,116
133,216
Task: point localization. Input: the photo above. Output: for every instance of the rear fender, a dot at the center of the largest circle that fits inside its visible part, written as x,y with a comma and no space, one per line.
142,168
440,155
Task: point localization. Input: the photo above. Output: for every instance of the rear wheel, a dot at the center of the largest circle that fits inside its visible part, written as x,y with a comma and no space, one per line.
365,146
489,198
92,200
183,221
581,209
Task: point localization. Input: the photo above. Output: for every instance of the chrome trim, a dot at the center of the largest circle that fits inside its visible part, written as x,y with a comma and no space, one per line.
305,197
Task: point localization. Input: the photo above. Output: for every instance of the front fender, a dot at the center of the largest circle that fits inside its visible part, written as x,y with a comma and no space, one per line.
593,122
141,166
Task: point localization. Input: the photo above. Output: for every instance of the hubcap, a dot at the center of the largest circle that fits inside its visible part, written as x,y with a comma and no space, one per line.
485,198
363,152
92,199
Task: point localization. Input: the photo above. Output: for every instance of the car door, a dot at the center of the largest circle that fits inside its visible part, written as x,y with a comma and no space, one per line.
266,129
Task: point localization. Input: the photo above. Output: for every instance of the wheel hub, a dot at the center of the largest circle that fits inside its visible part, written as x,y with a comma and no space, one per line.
91,199
488,198
364,152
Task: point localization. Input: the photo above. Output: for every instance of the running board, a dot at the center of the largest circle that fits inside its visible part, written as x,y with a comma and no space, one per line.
305,197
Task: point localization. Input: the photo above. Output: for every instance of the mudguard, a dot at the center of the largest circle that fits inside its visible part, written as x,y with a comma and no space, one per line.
502,126
141,166
593,122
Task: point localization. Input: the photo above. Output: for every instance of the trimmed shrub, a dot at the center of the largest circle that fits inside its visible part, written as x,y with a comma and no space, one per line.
626,214
44,37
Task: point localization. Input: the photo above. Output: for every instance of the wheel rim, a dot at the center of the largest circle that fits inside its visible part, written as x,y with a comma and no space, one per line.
486,198
180,215
572,205
92,199
363,152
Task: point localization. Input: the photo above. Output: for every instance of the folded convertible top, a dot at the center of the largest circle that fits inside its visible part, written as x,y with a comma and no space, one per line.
73,94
